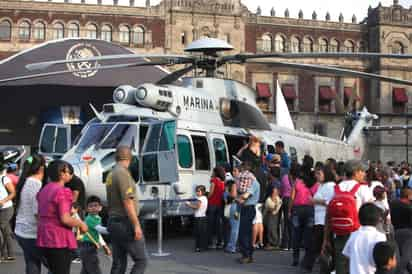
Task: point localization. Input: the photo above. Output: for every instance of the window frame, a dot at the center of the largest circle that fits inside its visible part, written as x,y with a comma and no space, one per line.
189,141
209,164
7,29
24,31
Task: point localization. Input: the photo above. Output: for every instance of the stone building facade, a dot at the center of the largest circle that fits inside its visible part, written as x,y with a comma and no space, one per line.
317,101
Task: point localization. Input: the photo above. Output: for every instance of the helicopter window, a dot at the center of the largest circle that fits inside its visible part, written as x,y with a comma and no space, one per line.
123,118
293,154
61,140
123,134
220,152
202,160
134,168
167,140
142,135
47,139
199,84
93,135
184,151
153,139
150,168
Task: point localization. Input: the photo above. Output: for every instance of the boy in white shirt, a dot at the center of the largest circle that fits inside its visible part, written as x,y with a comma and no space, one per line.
359,247
200,220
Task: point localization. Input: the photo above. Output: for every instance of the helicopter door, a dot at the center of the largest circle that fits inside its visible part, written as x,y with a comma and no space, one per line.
158,158
55,140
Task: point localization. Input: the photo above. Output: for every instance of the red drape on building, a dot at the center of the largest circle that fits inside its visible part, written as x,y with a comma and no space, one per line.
289,92
399,95
263,90
326,93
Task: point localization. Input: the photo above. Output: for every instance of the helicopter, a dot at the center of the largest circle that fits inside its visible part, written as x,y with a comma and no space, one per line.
179,128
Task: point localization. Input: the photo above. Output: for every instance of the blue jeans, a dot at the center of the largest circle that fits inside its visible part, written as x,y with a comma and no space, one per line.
234,228
302,221
247,214
123,244
32,255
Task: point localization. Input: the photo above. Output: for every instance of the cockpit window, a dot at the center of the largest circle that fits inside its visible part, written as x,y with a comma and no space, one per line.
93,135
121,135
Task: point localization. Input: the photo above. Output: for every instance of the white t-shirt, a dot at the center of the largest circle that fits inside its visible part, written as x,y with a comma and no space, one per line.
363,195
4,180
201,211
26,222
359,249
325,192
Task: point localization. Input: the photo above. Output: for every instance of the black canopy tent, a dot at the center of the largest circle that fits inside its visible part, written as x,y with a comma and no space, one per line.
24,102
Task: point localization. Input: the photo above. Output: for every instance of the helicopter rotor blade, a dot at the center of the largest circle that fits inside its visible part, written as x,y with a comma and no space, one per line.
53,73
174,75
242,57
170,59
333,70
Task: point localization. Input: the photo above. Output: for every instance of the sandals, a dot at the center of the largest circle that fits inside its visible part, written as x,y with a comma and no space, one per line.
8,259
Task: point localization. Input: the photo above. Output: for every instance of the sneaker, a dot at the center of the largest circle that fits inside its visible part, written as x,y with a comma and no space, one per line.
269,247
213,246
245,260
76,261
197,250
9,259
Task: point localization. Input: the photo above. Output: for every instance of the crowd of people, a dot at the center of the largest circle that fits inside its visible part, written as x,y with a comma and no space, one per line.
349,217
346,216
56,225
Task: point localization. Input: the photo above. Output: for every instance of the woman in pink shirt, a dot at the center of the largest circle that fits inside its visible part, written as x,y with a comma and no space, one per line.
301,209
54,234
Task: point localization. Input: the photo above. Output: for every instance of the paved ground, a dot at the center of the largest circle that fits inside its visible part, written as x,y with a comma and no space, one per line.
184,261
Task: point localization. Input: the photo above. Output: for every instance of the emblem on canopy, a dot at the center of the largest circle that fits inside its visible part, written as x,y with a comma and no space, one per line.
84,69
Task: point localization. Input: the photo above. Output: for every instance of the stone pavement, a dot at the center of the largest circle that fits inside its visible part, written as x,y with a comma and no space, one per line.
184,261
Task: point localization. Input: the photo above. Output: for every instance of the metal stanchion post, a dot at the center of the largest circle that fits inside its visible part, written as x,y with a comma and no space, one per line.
160,252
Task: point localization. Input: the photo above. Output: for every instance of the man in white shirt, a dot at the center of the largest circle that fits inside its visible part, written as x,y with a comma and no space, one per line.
359,247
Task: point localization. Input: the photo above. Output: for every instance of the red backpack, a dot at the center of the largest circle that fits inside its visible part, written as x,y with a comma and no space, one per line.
342,211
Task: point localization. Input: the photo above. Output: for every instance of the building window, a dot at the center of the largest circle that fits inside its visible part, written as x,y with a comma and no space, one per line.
362,46
58,31
280,43
307,44
183,38
39,31
295,44
323,45
289,93
106,33
226,37
138,36
326,97
266,43
399,99
73,30
349,46
24,31
124,34
398,48
5,30
334,45
201,148
91,31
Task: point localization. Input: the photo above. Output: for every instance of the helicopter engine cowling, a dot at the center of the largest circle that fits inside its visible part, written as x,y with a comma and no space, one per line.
124,94
157,97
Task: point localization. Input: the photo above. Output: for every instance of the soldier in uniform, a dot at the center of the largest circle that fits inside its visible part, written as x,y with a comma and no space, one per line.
123,225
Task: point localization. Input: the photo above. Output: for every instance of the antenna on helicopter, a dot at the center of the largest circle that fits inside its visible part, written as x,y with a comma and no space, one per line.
96,112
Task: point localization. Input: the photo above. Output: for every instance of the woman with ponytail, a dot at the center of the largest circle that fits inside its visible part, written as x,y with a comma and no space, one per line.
301,210
29,185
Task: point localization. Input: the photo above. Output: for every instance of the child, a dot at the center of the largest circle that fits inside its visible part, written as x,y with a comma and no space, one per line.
359,247
271,219
92,241
200,221
384,257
